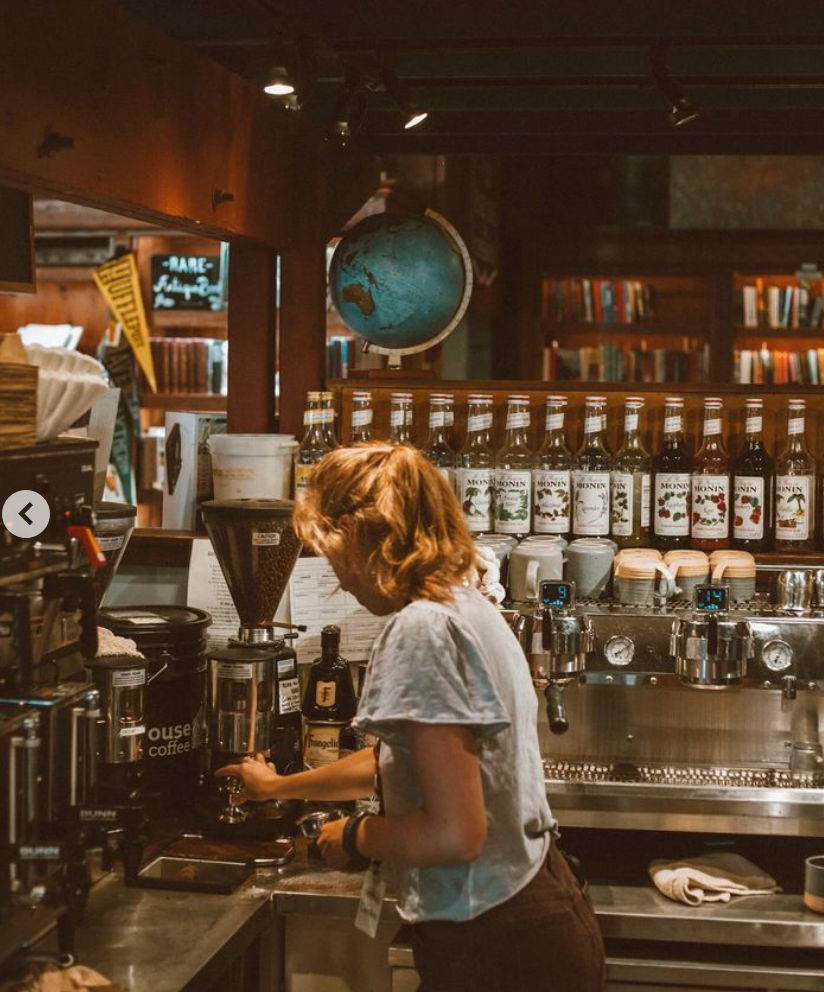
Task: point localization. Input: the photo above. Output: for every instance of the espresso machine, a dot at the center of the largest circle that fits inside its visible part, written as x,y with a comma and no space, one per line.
254,692
48,715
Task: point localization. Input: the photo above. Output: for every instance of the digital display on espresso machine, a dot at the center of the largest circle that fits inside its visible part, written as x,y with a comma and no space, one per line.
712,599
557,595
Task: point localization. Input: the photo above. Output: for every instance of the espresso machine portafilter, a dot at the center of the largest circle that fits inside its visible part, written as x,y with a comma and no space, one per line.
567,640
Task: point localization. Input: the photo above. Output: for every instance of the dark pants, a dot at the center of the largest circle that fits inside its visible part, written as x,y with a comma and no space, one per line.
544,939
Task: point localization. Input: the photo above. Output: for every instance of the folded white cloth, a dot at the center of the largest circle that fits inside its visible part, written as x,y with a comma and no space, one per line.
488,572
711,878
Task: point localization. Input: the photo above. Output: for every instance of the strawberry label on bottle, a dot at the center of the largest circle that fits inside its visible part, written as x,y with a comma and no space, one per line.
591,503
552,498
622,496
672,504
710,506
513,501
475,487
748,508
792,507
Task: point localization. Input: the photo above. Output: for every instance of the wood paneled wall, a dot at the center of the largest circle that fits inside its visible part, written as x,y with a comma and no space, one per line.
775,404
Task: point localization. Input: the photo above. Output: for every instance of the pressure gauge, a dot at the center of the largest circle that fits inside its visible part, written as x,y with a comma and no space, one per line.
619,650
777,655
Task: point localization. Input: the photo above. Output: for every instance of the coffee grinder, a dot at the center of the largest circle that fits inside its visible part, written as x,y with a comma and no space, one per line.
254,692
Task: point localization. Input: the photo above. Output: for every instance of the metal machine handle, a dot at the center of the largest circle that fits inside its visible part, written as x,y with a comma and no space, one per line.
556,708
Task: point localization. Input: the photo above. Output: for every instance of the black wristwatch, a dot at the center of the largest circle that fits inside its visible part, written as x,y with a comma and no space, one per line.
357,860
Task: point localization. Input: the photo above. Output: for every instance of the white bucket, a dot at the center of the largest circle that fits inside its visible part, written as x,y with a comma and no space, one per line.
252,466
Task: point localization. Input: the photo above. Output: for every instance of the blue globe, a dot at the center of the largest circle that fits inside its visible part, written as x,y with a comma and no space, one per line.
400,280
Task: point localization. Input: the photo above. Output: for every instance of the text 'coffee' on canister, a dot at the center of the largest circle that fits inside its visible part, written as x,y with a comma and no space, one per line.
173,640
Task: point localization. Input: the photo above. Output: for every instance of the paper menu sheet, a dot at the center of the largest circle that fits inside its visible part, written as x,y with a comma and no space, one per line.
207,590
316,601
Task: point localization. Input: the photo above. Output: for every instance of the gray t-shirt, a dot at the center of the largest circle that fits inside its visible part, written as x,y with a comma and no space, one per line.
458,663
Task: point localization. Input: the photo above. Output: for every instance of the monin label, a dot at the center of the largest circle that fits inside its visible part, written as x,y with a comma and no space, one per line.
622,495
672,504
590,503
513,501
792,507
748,508
710,506
552,498
475,487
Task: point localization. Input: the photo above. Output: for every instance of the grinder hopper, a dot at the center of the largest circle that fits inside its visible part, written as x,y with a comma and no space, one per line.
257,548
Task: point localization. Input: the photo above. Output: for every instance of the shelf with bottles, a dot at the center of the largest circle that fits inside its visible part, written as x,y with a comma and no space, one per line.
778,302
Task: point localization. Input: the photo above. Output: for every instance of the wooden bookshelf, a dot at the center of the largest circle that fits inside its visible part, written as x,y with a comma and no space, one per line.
190,320
184,401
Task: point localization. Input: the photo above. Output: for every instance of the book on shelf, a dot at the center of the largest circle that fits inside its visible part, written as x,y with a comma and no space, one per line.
774,306
189,365
623,363
779,367
609,301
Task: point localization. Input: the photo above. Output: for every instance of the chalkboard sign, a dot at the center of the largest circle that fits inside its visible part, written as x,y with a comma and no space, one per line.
187,282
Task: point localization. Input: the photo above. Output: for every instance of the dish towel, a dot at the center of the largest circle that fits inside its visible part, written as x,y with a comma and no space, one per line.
711,878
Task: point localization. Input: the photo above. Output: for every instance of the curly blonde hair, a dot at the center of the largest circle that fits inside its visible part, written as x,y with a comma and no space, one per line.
406,518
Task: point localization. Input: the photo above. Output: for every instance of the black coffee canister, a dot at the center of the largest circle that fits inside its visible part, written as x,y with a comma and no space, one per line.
173,640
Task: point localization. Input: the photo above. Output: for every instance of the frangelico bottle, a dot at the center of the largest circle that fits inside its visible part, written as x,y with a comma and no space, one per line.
590,479
514,463
752,486
795,488
552,478
314,446
476,466
711,488
630,480
672,469
328,703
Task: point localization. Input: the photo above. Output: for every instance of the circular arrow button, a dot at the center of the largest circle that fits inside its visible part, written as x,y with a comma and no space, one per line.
26,513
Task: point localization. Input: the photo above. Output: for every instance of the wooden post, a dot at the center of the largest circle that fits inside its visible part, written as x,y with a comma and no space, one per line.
332,186
252,337
302,344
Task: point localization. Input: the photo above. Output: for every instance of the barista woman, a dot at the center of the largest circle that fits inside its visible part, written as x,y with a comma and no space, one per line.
466,827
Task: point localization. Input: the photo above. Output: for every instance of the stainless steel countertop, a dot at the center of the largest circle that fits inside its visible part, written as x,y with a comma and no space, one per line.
151,941
172,941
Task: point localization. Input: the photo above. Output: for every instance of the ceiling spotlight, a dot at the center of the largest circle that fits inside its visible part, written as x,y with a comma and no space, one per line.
279,82
400,93
341,132
681,110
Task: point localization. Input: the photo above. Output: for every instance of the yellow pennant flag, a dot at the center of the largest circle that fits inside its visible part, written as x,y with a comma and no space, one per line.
117,280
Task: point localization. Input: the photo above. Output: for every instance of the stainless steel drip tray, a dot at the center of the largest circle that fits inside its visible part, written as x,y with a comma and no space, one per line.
712,800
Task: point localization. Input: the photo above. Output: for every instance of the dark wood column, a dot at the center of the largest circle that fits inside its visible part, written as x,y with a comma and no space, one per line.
252,338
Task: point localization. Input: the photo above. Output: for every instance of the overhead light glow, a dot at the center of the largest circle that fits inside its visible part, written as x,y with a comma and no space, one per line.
414,118
279,83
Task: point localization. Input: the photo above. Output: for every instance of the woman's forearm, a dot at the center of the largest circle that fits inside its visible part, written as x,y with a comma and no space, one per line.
353,777
417,839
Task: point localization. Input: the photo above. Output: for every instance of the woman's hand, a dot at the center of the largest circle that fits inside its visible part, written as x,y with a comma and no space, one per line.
260,780
330,843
